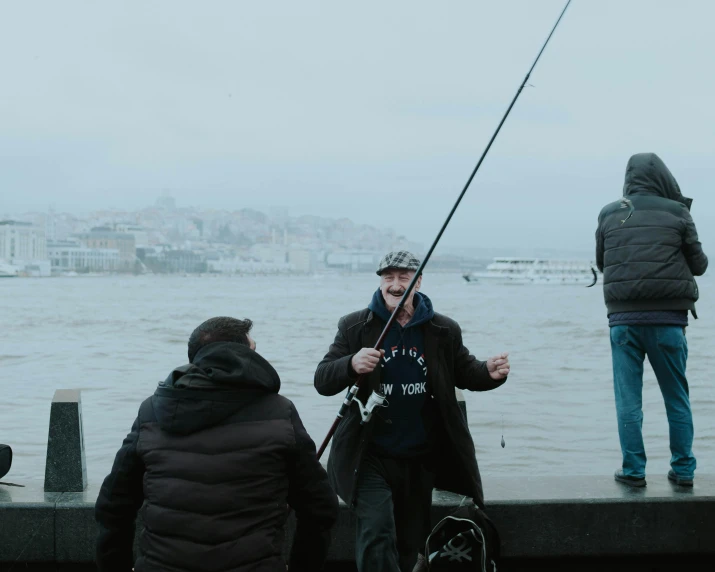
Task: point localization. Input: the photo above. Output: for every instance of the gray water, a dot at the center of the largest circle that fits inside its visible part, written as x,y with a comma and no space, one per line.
115,337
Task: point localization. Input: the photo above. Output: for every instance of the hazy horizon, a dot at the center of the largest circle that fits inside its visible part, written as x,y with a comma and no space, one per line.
473,251
376,112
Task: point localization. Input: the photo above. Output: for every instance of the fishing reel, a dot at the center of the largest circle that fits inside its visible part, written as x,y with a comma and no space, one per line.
376,399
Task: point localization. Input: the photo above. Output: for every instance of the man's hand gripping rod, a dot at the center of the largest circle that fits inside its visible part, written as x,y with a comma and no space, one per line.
373,402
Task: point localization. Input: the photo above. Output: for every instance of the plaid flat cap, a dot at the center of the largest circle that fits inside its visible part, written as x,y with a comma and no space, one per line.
401,259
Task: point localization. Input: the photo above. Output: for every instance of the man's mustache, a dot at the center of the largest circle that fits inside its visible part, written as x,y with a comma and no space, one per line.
396,293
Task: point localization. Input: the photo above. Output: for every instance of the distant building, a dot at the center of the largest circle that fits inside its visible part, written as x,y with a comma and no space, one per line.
301,260
184,261
68,256
24,246
141,235
247,266
164,259
21,241
273,253
353,260
102,238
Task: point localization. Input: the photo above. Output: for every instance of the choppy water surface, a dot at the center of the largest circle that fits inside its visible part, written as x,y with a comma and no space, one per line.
116,337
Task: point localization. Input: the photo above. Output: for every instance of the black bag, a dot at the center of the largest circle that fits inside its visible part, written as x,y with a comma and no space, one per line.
5,460
464,540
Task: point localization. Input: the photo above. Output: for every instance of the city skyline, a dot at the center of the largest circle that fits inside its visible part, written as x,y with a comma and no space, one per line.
278,214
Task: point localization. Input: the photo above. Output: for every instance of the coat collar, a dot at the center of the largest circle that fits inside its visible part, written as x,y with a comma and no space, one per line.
374,326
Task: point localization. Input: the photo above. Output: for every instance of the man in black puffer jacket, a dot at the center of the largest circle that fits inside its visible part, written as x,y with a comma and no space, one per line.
213,461
648,250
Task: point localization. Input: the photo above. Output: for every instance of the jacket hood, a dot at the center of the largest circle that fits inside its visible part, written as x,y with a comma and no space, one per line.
423,308
224,378
646,174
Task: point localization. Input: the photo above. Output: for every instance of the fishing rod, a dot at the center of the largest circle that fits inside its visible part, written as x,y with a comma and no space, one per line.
377,399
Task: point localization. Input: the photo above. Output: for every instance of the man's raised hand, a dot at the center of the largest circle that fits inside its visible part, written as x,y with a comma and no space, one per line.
498,366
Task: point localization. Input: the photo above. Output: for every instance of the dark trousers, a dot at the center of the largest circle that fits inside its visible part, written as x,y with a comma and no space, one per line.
393,502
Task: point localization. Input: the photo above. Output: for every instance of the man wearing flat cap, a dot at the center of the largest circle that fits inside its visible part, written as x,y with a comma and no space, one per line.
386,470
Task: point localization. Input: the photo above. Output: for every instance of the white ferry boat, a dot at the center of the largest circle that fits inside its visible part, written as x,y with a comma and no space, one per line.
536,271
8,270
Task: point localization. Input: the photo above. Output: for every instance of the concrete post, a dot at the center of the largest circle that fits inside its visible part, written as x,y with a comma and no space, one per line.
66,469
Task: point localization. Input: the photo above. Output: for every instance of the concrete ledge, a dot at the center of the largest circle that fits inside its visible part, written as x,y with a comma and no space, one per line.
27,525
544,518
76,529
595,516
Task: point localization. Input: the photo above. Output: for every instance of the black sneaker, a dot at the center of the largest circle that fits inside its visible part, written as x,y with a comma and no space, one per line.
679,480
630,481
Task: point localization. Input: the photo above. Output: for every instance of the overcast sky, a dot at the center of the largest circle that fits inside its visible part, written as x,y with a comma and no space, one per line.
373,110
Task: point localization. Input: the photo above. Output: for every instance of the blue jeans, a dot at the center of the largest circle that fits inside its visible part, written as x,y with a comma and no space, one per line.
667,351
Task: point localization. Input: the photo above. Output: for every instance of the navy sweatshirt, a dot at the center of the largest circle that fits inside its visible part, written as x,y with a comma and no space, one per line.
399,430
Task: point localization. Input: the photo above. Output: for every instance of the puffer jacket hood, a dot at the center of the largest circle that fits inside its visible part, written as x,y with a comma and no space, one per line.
213,462
646,174
224,378
649,257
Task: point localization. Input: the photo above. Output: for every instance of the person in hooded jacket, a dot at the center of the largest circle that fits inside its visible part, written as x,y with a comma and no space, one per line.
386,470
648,250
212,463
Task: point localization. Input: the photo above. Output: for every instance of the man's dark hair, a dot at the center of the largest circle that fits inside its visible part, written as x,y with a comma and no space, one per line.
221,329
